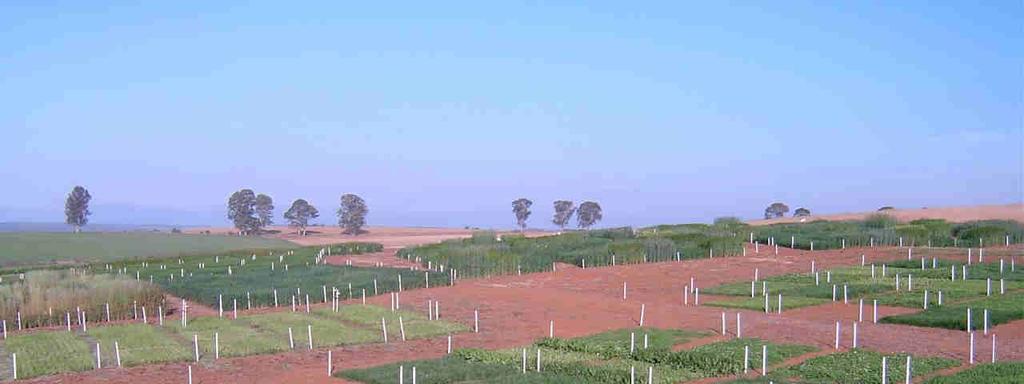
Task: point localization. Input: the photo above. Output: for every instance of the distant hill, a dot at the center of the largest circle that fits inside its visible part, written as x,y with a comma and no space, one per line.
954,214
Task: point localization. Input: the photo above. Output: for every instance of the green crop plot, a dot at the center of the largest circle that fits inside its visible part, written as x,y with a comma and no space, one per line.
853,367
416,326
997,373
325,331
22,249
248,279
854,283
236,338
485,254
602,358
139,344
47,353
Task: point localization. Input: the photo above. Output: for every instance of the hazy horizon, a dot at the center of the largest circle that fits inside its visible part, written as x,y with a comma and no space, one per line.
442,114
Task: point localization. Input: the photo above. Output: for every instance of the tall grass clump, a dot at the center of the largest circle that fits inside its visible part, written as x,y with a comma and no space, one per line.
43,297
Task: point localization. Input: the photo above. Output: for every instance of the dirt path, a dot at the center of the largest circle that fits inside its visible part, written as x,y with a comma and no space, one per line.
516,310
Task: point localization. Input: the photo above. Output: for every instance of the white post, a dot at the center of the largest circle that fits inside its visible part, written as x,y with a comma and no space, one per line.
643,309
746,358
190,374
738,327
309,334
449,344
874,318
476,320
216,345
764,360
330,369
117,354
291,339
401,327
551,329
993,348
837,335
971,352
14,365
384,329
723,323
524,360
860,310
220,305
195,345
538,359
696,296
623,290
985,321
907,379
855,335
885,371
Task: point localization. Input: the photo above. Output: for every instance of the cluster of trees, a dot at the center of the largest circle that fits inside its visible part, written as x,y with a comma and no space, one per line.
250,213
777,210
587,214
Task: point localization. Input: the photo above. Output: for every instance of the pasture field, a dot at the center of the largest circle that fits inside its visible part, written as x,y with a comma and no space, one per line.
19,250
51,352
800,290
601,358
881,229
485,254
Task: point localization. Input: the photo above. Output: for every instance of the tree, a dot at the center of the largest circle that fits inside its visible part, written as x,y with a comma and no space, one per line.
352,214
264,208
588,214
241,211
776,210
76,208
299,214
801,212
564,210
521,208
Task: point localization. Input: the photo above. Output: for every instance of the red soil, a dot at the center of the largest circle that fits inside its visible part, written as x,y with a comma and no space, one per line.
515,310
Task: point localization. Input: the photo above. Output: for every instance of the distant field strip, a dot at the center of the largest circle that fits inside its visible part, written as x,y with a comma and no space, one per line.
19,250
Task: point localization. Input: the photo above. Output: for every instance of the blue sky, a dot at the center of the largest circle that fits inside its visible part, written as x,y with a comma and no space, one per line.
442,113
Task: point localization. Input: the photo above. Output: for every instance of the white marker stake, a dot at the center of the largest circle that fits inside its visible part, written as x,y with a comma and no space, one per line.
738,327
746,359
476,320
401,327
98,364
764,360
696,297
309,334
650,374
874,318
538,359
449,344
885,371
117,354
195,345
993,348
384,329
291,339
926,299
623,290
860,310
854,335
837,335
190,374
330,368
723,323
551,329
971,351
216,345
14,365
524,360
985,321
632,342
907,377
643,309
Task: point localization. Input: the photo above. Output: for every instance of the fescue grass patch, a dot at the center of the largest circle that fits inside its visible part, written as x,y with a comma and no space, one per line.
47,353
1008,372
139,344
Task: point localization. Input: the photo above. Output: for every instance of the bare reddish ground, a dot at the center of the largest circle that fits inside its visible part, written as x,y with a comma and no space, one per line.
516,310
954,214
